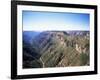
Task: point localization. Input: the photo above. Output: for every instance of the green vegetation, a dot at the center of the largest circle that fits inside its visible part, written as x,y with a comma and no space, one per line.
84,58
57,49
36,64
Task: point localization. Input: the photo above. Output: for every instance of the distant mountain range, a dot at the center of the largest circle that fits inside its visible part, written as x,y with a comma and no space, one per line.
29,35
55,49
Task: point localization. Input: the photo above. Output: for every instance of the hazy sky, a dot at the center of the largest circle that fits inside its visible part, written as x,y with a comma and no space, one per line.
39,21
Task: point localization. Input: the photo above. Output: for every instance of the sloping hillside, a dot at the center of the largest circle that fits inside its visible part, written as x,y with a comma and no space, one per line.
57,49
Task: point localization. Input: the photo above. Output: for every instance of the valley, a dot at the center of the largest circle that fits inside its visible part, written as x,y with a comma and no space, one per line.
56,49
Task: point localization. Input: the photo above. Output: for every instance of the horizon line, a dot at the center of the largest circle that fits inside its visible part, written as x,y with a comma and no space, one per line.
55,30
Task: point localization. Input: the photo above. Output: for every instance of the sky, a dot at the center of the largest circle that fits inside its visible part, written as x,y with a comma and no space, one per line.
42,21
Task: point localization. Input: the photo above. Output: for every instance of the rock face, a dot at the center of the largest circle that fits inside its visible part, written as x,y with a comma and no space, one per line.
57,49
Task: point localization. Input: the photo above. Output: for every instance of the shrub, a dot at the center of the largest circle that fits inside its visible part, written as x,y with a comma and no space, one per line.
84,58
